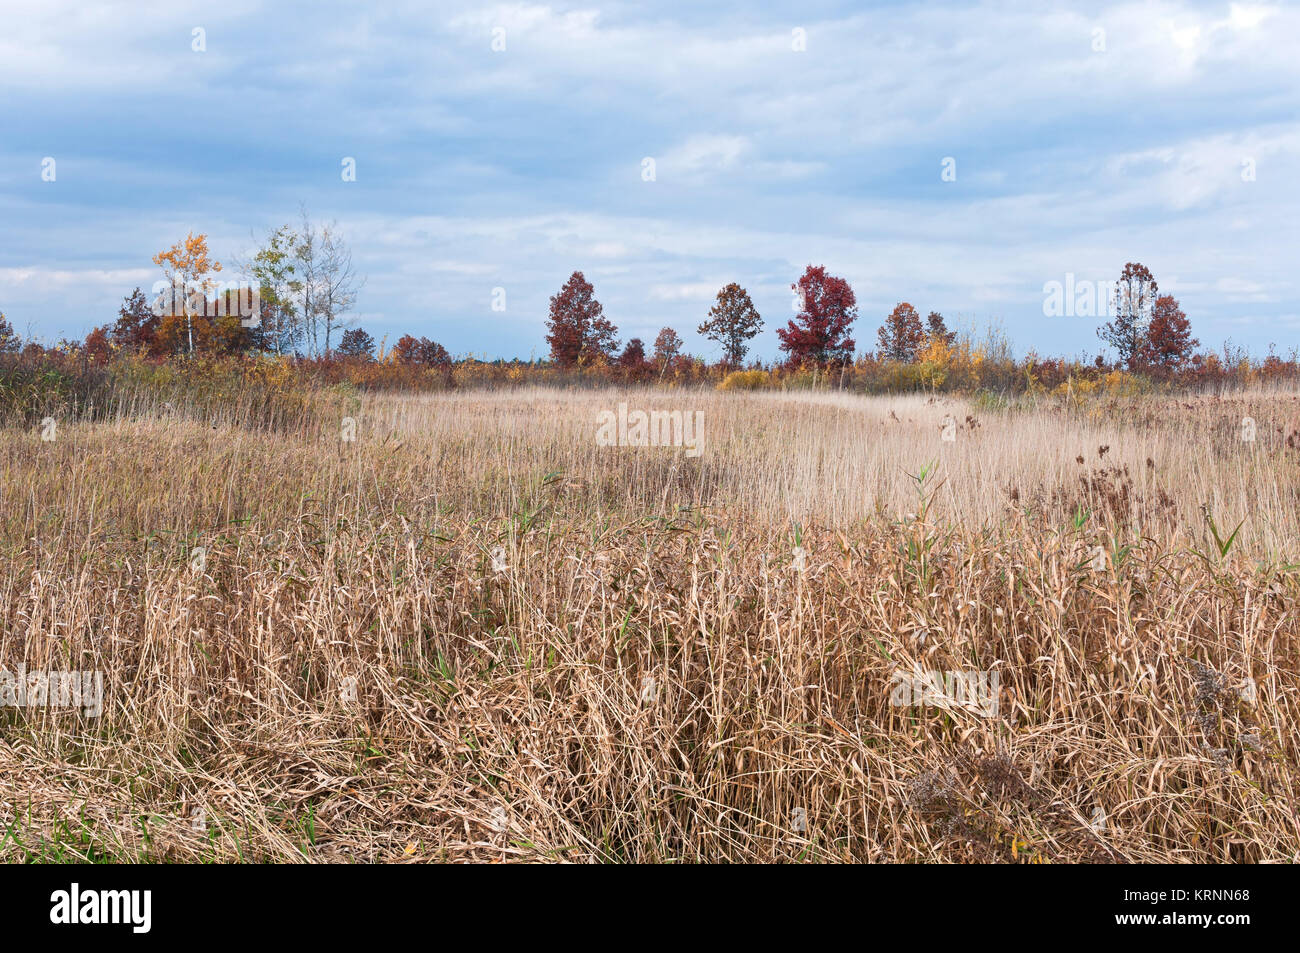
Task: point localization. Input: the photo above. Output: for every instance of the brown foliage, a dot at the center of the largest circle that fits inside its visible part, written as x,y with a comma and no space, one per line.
578,331
901,337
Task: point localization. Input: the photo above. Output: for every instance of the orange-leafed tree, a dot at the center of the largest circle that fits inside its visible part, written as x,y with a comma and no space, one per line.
901,335
1169,342
187,266
97,346
216,334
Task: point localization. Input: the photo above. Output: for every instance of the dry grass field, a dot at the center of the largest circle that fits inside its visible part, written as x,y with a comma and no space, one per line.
473,633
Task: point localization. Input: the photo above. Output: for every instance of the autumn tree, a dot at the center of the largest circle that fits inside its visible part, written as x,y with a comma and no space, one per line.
1169,340
579,332
137,324
97,346
827,310
214,334
901,336
936,330
1135,297
421,351
356,343
633,355
406,350
433,354
226,332
667,346
187,266
733,320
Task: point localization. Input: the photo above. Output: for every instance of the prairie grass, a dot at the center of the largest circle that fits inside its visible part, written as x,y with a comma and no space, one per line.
474,634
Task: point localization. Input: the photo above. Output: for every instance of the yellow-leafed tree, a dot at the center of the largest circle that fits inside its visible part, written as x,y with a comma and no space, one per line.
187,266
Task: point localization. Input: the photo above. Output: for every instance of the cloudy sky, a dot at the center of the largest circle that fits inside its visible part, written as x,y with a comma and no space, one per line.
1080,136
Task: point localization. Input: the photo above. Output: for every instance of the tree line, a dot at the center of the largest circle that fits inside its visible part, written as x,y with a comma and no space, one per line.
308,289
1148,329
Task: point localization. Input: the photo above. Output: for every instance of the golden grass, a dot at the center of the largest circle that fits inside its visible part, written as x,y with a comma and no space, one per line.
683,659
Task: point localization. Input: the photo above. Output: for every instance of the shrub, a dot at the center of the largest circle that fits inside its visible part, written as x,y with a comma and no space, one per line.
745,380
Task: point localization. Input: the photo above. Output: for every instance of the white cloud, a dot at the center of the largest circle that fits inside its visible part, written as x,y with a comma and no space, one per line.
690,291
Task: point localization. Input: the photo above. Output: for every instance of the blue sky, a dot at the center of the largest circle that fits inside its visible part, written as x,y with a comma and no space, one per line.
1075,151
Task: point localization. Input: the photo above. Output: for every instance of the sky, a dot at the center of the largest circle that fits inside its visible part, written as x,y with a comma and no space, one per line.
958,156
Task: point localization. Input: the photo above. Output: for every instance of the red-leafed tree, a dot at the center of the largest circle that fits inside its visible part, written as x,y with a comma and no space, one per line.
579,332
633,361
633,355
1169,340
819,332
901,336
